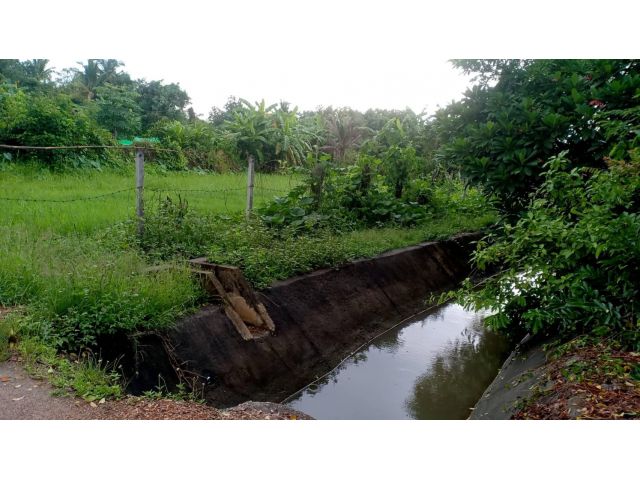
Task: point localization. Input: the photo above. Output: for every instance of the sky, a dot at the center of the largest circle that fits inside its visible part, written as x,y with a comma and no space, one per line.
421,86
362,54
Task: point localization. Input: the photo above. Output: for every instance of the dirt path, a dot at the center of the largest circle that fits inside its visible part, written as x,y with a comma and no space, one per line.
24,398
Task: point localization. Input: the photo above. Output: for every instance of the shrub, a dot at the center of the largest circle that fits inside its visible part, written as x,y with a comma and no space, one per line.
40,119
571,264
195,144
358,195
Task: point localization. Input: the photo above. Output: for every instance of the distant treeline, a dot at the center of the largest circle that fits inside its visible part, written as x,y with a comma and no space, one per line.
98,103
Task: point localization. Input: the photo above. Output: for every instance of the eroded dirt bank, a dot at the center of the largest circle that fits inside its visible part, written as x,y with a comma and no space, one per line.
319,317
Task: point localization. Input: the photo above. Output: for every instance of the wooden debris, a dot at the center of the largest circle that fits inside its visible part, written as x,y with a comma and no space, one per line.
240,302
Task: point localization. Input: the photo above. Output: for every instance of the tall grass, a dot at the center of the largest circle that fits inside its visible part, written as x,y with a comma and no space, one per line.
77,289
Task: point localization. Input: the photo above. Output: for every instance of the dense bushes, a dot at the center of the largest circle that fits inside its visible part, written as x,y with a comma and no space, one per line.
46,119
557,142
502,135
195,144
268,251
374,191
266,255
571,264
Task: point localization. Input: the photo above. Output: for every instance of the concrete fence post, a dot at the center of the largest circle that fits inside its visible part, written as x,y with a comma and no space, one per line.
140,190
250,178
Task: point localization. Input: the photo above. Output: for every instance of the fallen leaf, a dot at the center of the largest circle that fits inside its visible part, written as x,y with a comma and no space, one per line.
4,378
93,405
102,400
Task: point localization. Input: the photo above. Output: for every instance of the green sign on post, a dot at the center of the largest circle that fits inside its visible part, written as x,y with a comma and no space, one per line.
126,141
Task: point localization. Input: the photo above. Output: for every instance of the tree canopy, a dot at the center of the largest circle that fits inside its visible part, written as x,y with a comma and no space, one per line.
522,112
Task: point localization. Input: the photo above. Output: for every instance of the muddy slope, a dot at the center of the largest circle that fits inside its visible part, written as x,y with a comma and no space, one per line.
319,317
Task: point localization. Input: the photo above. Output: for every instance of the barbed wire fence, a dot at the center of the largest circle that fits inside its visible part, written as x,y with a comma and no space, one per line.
257,183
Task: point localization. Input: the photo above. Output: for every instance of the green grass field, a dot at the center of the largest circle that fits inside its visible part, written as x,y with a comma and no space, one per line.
204,192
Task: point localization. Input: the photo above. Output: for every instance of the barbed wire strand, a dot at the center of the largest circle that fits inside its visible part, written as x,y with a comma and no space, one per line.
85,147
205,190
102,195
66,200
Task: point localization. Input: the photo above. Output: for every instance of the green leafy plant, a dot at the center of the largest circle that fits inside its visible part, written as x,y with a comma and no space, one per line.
570,264
501,135
51,119
295,210
347,197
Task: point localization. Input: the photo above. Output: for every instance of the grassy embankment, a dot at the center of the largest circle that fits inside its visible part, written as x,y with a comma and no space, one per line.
80,272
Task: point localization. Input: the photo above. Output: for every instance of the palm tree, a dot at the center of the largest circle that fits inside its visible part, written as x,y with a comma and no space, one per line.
96,73
29,73
37,70
343,134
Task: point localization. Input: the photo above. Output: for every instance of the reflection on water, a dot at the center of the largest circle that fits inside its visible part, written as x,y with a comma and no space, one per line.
435,367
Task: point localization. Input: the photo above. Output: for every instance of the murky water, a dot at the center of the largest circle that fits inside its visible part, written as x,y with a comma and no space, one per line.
433,367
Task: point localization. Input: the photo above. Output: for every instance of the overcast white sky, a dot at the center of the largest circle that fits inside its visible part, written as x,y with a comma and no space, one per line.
348,83
362,54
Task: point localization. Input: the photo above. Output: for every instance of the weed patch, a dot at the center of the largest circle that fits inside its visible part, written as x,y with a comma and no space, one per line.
86,376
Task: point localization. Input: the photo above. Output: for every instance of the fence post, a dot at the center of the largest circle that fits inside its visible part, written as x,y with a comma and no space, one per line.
140,190
250,175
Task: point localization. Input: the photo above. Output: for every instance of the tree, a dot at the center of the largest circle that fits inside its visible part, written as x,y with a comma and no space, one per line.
38,70
50,119
344,133
218,117
118,110
501,135
158,101
94,74
292,138
568,258
394,148
29,74
570,264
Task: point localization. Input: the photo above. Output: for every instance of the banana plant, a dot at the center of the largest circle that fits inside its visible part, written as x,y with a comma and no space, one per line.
251,128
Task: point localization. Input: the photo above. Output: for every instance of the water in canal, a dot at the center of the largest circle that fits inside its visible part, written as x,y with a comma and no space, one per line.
434,366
